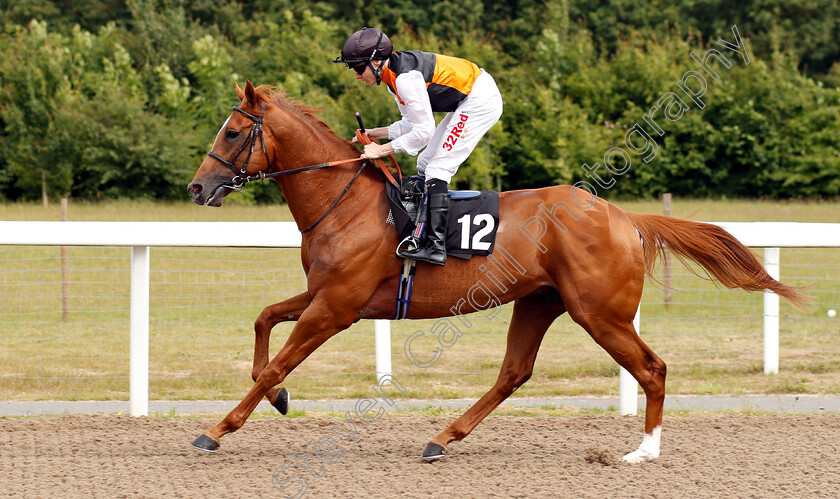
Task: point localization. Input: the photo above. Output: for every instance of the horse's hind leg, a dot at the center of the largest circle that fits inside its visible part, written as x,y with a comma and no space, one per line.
287,310
620,340
532,315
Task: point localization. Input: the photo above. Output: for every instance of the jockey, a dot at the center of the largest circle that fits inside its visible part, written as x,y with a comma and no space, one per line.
422,83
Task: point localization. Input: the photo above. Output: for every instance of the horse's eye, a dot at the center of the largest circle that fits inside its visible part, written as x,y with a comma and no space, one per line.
231,134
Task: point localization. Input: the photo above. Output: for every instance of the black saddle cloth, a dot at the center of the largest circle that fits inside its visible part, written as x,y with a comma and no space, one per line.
473,217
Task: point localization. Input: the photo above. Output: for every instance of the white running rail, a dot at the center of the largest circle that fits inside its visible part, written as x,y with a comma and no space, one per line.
140,236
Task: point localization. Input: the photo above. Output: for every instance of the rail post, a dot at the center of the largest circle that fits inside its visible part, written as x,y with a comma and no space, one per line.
628,387
382,338
771,314
139,332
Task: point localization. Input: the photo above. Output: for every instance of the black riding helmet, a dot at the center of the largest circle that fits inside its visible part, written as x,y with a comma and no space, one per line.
363,46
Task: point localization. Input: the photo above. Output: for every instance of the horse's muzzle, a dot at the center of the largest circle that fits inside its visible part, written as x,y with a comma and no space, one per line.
204,196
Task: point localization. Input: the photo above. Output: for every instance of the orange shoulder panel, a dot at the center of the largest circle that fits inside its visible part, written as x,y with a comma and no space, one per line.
456,73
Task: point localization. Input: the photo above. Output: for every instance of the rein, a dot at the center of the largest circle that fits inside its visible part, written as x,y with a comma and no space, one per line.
240,178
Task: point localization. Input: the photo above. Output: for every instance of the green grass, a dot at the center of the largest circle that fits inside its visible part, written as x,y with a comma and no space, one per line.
204,301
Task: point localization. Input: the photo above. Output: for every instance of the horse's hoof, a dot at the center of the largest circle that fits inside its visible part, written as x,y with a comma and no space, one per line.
205,443
433,451
281,402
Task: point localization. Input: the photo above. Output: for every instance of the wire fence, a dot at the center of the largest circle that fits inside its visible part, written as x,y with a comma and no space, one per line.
204,302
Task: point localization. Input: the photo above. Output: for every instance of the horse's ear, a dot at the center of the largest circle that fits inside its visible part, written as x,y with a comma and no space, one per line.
250,93
239,92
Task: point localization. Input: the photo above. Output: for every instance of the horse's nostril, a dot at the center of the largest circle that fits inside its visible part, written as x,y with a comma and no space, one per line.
195,188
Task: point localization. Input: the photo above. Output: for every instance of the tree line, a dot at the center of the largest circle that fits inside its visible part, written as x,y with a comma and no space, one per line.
123,98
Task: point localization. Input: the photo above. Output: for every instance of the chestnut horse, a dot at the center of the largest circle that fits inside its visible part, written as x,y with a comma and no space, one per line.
566,251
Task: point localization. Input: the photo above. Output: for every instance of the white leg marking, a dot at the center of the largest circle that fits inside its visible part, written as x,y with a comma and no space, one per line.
649,450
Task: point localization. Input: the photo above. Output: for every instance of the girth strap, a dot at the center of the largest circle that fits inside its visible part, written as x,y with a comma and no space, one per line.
406,285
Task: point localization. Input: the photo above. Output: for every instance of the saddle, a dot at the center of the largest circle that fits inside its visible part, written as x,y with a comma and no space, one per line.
473,217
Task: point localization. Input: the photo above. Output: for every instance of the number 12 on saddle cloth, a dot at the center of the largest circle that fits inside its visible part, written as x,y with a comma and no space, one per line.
473,217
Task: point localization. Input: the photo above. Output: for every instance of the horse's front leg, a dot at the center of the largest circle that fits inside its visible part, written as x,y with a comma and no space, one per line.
287,310
317,324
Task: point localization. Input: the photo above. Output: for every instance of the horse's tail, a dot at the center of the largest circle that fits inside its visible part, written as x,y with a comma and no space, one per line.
717,251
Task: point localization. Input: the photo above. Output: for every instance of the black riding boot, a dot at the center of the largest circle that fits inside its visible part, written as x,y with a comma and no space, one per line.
435,250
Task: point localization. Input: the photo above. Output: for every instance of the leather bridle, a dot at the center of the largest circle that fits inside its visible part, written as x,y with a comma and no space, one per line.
241,178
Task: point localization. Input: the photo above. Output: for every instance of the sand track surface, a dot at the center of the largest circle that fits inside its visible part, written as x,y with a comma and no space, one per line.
702,456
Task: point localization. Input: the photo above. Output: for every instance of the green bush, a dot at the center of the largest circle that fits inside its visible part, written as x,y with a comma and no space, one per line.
122,98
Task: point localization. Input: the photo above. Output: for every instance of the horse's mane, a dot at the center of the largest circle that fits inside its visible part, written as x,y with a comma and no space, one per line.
270,94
